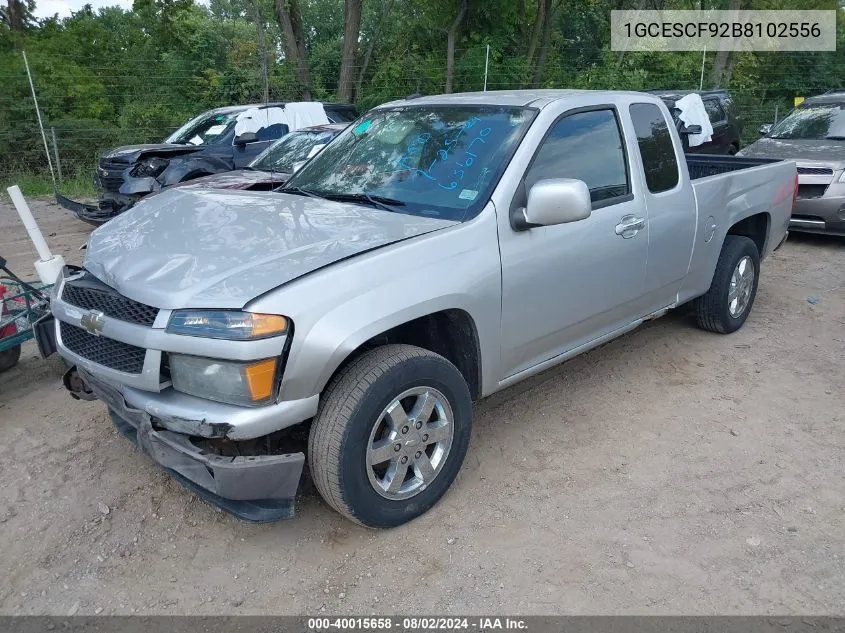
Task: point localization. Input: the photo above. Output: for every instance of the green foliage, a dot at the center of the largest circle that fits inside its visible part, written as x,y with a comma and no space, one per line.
111,77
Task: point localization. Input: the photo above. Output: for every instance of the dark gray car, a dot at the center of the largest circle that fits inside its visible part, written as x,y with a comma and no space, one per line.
813,135
724,116
208,144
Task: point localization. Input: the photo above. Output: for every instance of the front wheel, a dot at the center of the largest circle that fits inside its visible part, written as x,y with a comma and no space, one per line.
390,435
726,305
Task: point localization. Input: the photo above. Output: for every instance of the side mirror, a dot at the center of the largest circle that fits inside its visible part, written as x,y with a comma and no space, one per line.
555,201
690,129
246,137
765,129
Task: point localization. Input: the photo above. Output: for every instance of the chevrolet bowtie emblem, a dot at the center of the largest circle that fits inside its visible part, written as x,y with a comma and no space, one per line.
93,322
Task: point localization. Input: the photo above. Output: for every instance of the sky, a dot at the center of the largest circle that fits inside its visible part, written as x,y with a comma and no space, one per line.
48,8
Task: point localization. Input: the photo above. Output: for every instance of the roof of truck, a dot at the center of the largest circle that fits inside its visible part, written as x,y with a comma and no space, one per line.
538,98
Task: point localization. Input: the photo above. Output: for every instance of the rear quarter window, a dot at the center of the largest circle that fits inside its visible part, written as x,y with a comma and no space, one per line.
656,150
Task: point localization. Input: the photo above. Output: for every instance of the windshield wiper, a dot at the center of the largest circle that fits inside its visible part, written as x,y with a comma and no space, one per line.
380,202
835,138
298,191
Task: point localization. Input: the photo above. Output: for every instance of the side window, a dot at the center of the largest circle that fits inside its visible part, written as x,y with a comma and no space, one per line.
586,146
714,111
272,132
659,161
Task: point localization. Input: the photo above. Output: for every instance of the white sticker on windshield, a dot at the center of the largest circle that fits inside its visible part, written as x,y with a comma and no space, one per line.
468,194
215,130
197,140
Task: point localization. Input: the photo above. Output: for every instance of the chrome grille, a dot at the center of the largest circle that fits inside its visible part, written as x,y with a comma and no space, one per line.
103,351
91,294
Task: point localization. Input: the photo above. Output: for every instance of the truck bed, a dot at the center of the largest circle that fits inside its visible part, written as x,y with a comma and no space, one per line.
704,165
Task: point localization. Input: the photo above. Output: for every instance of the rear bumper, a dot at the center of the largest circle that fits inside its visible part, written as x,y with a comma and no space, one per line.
819,215
256,488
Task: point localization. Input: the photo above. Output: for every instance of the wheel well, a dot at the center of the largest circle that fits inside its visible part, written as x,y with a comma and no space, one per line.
755,227
450,333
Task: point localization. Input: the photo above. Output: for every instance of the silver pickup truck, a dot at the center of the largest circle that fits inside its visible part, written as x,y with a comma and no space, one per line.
437,251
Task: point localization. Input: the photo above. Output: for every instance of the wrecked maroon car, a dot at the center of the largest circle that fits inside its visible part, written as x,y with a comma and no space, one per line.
276,164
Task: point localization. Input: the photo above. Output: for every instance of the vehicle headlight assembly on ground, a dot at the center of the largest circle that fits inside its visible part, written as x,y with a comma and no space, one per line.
150,167
232,325
247,384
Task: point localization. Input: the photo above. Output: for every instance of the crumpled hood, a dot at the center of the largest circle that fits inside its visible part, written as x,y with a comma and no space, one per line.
130,153
187,248
830,153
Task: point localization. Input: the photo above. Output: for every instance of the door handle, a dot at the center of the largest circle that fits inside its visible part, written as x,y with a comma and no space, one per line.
629,226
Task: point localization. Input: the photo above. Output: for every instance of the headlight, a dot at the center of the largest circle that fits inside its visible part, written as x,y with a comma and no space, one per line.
248,384
227,324
149,167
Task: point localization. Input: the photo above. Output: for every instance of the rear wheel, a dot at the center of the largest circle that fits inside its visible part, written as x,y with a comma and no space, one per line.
728,302
390,436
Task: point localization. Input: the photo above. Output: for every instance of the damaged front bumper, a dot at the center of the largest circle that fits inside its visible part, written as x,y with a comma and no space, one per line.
256,488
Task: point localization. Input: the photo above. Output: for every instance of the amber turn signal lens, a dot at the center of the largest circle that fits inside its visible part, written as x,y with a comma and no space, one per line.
260,377
267,324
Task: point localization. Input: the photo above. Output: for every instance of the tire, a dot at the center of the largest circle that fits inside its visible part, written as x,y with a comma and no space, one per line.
352,418
715,311
9,358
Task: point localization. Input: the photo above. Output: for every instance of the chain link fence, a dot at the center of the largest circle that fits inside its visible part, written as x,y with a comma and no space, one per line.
76,140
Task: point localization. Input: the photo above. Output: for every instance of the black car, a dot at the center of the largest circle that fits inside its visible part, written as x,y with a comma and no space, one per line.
216,141
723,114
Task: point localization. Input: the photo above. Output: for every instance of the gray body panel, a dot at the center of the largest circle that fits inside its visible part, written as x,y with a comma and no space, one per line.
820,207
535,297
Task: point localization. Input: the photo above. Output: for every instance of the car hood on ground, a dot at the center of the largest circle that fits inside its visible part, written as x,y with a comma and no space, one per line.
191,248
130,153
831,153
240,179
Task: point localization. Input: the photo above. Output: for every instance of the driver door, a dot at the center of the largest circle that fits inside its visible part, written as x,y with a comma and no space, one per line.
565,285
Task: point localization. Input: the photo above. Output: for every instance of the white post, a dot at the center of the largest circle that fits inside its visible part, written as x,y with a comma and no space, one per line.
701,81
486,64
49,266
40,124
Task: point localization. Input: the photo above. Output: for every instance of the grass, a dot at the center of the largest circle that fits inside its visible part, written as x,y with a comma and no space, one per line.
78,185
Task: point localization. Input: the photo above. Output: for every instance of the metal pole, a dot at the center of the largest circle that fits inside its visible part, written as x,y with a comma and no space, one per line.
40,124
701,81
56,150
486,64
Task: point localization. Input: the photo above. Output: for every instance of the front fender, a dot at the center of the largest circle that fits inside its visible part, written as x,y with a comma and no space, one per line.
338,308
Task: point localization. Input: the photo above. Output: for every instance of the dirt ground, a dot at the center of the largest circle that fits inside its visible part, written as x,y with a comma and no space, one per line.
671,471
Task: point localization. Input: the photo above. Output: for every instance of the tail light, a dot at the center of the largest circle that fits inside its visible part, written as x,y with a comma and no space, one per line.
795,191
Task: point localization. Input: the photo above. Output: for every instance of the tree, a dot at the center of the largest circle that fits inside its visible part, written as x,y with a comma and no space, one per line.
262,46
371,45
17,14
351,32
289,16
540,64
450,44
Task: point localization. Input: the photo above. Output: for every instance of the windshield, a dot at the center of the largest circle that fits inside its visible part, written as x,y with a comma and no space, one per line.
296,147
427,160
818,121
203,129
